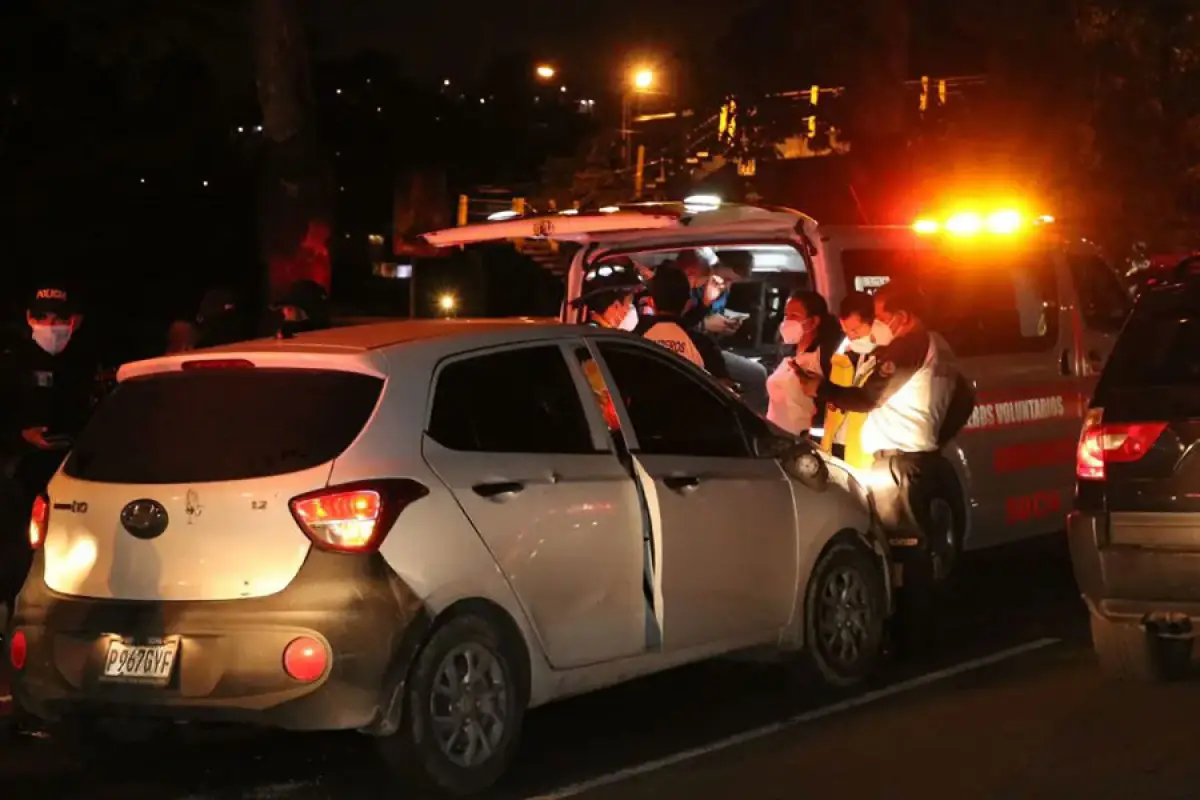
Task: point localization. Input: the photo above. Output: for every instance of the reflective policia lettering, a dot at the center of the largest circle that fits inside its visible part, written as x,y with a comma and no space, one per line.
1016,412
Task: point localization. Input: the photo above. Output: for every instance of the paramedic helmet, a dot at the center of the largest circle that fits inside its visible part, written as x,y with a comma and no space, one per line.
608,290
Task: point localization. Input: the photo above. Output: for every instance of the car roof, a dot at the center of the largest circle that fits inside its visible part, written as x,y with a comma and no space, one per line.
364,348
376,335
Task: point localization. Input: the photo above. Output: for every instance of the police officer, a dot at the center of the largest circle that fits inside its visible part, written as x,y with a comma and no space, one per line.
47,389
915,401
671,292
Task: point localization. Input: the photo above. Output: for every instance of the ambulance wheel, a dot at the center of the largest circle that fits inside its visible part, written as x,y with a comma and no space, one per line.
946,523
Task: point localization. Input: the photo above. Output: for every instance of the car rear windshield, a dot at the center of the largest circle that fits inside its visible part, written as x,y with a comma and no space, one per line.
984,302
222,425
1160,345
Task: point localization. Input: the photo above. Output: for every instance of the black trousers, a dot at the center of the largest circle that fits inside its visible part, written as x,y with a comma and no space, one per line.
904,485
23,479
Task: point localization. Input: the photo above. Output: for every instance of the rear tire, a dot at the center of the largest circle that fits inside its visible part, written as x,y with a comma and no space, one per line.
463,710
844,609
1127,652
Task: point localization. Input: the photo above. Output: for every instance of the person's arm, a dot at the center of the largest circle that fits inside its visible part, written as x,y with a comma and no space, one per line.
894,369
714,361
693,317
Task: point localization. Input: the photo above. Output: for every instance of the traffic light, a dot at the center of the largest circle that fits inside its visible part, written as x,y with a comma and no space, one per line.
814,95
924,93
942,92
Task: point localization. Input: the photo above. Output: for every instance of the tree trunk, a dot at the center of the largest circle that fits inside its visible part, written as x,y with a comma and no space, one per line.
294,198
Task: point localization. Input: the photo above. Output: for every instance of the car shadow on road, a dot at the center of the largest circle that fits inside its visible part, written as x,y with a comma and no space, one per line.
1004,597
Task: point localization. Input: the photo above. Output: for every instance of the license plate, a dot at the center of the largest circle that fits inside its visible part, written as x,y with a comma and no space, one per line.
150,662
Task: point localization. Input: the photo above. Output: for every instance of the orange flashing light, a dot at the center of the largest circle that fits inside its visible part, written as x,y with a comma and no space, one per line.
1003,222
964,223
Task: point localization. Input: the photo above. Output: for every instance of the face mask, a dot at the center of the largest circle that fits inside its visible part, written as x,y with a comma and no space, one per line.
631,320
881,333
792,331
862,346
52,338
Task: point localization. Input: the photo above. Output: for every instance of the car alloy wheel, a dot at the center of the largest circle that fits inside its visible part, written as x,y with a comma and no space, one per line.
844,617
469,705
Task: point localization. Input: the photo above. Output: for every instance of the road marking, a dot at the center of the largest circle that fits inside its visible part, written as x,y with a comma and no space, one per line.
792,722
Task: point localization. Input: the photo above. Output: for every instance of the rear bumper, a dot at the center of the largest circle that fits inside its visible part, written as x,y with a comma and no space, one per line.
1132,583
229,666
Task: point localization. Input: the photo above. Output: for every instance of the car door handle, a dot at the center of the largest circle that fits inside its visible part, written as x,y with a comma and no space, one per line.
497,489
681,483
1064,363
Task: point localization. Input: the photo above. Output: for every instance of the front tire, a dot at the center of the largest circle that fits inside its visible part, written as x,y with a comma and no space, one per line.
844,609
1127,652
463,710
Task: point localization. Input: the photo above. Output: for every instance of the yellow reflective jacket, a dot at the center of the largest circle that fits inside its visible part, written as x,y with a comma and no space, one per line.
841,373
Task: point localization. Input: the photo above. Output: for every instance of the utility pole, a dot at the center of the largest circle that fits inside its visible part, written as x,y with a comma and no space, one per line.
639,172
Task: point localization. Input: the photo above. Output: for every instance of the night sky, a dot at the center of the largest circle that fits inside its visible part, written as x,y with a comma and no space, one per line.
589,39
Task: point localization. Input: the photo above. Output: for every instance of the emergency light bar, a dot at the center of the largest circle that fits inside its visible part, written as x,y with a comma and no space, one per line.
1004,222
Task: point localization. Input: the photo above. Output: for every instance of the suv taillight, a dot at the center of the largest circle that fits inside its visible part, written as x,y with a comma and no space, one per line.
354,517
1120,442
39,522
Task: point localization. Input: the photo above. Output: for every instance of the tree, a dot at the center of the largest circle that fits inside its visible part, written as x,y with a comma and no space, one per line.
294,212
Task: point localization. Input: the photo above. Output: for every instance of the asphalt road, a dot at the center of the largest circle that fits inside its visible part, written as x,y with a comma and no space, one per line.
1009,705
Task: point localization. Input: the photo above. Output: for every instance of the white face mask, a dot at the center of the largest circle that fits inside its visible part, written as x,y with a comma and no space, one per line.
791,331
881,334
631,319
52,338
862,346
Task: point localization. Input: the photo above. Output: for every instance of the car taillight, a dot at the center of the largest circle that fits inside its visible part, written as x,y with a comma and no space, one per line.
18,650
1101,444
39,522
354,517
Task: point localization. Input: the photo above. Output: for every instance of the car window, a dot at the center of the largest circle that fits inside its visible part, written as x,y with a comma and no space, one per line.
514,401
1160,346
985,302
225,424
1103,299
673,413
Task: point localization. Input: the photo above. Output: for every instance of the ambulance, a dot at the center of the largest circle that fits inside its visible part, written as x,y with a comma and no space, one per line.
1030,311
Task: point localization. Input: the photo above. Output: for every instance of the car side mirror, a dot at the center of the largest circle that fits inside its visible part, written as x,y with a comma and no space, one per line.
770,445
800,459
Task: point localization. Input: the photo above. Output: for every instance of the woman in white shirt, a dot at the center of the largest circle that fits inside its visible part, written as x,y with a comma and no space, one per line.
808,326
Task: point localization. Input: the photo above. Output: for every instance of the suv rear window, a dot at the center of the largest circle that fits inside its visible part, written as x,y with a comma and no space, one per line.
222,425
987,302
1160,345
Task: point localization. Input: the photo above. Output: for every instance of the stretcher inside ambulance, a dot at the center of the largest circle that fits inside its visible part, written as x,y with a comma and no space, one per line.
1029,312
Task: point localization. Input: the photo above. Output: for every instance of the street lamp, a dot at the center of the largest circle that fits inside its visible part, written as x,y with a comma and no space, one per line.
641,81
546,72
447,303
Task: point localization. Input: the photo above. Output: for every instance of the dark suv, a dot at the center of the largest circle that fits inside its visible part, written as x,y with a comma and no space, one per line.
1135,529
